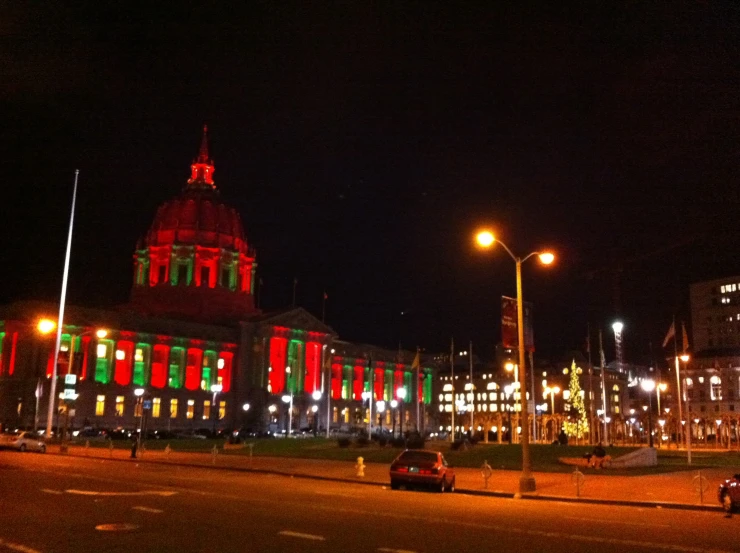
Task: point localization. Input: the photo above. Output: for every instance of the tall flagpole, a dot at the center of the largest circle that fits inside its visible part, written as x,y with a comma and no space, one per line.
418,399
452,373
603,386
472,388
60,320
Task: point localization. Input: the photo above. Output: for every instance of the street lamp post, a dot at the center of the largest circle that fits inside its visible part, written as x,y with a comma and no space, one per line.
649,385
662,387
316,395
486,239
551,392
401,394
380,408
216,389
288,398
139,393
394,404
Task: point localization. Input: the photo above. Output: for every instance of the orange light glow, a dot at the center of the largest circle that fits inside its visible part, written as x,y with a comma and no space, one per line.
485,238
546,258
46,325
685,358
101,333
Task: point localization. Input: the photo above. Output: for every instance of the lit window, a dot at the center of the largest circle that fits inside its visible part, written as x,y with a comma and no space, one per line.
102,351
100,406
566,395
447,388
485,407
485,396
716,388
441,397
689,382
441,407
448,397
206,409
722,288
191,409
491,386
156,405
494,407
139,355
221,410
469,386
173,408
448,408
701,380
120,354
615,388
221,364
119,406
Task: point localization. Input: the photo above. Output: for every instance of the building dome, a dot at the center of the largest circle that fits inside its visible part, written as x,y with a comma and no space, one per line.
194,262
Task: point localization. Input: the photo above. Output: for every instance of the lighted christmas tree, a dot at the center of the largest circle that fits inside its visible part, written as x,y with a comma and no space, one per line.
577,425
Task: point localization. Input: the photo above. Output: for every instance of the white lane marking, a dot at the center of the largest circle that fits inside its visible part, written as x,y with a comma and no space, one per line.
55,492
389,550
125,494
147,509
17,547
617,522
301,535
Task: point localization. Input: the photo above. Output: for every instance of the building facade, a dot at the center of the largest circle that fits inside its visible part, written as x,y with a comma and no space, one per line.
190,349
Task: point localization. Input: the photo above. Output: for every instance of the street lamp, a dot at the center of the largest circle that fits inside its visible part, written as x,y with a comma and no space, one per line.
316,395
139,393
648,385
401,395
288,398
216,389
380,408
486,239
551,391
394,404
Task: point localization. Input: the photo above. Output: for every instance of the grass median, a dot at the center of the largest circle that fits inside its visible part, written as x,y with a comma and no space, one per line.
499,456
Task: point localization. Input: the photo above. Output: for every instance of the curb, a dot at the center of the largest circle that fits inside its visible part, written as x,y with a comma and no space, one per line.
462,491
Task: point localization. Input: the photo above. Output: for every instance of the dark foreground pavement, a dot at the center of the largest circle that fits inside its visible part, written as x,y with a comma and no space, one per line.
53,503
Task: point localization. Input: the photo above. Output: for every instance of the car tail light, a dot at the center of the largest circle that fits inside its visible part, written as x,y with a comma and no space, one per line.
402,469
426,471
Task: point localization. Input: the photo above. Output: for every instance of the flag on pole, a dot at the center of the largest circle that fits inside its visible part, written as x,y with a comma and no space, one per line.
671,334
685,337
417,362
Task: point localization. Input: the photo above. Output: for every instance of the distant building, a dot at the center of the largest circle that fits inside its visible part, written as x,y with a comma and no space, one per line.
715,314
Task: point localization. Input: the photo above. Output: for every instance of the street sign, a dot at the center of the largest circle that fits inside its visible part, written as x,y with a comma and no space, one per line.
147,404
70,380
69,395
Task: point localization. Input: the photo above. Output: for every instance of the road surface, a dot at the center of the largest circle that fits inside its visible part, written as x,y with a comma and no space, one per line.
51,503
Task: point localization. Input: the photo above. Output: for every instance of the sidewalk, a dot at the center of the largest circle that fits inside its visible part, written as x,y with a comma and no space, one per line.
671,490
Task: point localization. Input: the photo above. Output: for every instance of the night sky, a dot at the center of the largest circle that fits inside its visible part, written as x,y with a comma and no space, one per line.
363,143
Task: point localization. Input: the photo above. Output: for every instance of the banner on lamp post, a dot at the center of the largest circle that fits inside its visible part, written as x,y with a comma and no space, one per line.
509,327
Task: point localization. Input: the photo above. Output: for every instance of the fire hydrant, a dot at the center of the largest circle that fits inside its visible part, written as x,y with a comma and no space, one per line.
360,466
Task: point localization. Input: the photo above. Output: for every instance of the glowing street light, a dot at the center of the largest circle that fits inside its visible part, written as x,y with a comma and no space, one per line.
45,326
486,239
401,395
288,398
648,385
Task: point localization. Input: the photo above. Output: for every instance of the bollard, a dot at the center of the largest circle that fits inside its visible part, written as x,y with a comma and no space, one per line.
577,479
486,471
87,447
167,451
214,452
360,466
110,447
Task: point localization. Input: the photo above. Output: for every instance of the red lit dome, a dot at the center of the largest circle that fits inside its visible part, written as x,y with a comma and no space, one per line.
194,261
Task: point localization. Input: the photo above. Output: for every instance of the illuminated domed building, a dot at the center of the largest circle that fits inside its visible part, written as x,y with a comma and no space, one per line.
193,344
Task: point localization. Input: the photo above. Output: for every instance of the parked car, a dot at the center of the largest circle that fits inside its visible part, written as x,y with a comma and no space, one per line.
729,493
24,441
422,467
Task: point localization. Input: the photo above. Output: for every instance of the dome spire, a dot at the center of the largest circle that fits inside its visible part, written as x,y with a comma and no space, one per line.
203,155
201,171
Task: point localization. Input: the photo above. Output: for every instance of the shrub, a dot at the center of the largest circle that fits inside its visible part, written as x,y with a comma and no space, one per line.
382,441
398,442
362,441
343,442
415,442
